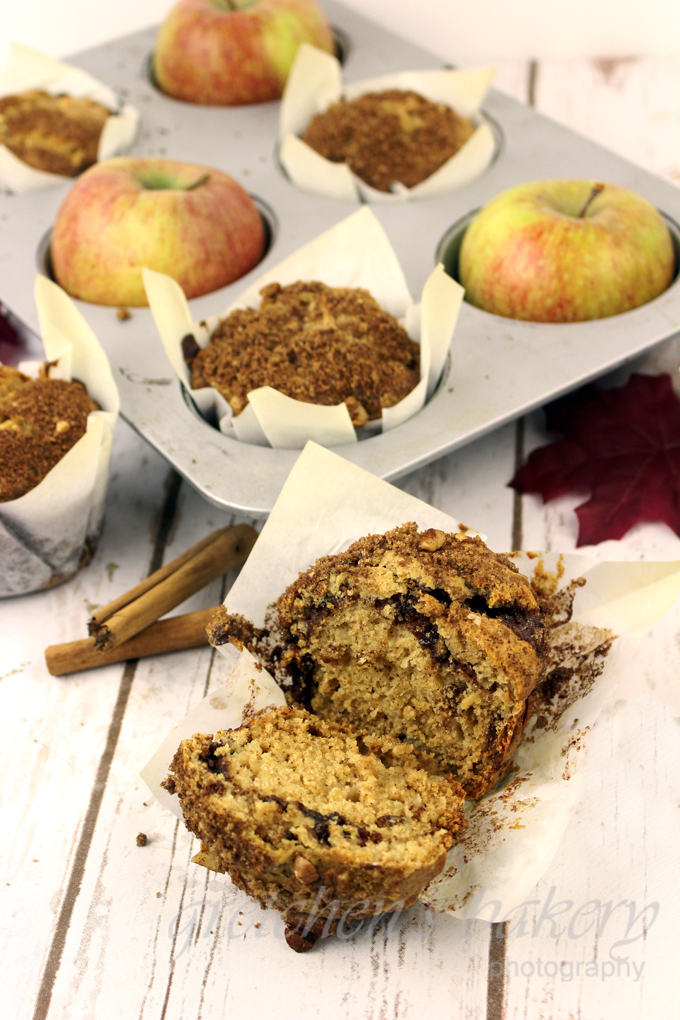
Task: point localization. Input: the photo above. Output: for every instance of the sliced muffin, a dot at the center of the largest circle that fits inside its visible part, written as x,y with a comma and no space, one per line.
320,821
426,636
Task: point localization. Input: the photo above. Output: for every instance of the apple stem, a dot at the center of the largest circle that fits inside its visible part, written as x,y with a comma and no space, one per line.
198,182
594,192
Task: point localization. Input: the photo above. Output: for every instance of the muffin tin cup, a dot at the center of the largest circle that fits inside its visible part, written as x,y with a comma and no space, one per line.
497,368
355,253
315,82
50,532
27,69
328,503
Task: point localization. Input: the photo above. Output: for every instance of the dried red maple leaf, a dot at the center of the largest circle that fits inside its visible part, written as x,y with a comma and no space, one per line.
623,446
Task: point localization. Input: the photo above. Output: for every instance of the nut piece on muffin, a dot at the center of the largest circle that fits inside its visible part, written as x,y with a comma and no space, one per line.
426,636
40,420
323,822
314,343
57,134
389,137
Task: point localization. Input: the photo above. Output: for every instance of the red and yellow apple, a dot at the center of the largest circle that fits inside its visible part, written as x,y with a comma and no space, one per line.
565,251
192,222
233,52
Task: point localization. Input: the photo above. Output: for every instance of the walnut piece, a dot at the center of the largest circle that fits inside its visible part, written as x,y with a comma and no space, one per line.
431,540
304,870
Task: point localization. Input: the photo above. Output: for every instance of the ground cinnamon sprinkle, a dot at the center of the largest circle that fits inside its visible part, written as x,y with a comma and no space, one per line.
318,344
58,134
40,420
389,136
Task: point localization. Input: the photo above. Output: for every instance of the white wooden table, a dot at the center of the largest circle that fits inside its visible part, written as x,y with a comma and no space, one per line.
93,926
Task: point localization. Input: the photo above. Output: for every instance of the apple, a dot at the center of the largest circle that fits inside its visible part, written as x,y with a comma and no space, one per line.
233,52
565,251
192,222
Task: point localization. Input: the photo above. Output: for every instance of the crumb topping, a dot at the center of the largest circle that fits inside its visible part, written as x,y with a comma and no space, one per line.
40,420
58,134
389,136
319,344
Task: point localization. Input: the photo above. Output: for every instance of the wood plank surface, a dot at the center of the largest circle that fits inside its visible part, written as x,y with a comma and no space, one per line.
55,731
600,940
629,105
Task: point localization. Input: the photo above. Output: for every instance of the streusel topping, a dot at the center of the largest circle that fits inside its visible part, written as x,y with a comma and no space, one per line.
318,344
388,137
58,134
40,420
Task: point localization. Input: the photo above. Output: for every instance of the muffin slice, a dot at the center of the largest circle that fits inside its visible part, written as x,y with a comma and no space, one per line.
322,822
429,637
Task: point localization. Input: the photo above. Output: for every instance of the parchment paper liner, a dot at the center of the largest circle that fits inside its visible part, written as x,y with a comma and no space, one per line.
45,534
27,69
354,253
315,82
325,505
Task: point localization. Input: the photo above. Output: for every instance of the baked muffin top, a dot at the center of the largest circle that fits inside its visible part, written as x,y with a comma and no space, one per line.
58,134
388,137
433,584
318,344
460,565
40,420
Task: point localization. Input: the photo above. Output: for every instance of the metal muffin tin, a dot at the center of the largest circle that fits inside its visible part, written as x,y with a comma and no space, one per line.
498,368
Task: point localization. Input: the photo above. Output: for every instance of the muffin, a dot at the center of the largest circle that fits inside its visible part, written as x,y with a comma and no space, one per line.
57,134
40,420
314,343
320,821
389,137
428,637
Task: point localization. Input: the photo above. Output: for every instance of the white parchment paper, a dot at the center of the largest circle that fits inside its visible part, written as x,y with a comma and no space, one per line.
27,69
354,253
513,833
44,534
315,83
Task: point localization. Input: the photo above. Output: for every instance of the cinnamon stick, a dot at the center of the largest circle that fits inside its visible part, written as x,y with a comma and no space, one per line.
133,612
187,631
104,612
